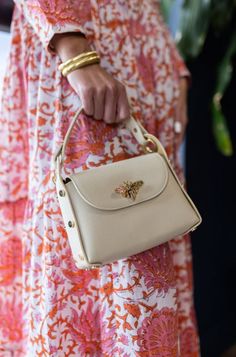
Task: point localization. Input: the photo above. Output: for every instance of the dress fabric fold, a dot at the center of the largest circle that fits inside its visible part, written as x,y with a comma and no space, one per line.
139,306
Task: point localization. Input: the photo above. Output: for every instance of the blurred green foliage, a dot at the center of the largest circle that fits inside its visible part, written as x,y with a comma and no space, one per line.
196,17
193,29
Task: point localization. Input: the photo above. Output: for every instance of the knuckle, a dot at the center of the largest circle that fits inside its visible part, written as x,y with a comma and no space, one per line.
108,119
122,87
124,115
97,117
100,93
113,89
122,118
88,110
88,91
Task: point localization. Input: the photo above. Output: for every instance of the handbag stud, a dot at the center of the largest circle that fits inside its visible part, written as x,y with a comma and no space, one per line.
62,193
71,224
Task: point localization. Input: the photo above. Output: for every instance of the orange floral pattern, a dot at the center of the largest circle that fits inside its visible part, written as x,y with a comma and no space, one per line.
140,306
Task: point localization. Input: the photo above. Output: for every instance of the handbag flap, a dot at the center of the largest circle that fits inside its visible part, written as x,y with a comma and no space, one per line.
123,183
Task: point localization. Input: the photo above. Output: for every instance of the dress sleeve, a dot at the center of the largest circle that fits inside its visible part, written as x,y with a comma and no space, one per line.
180,65
56,16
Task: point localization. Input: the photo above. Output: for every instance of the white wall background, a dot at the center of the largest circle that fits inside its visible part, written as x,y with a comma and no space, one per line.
4,50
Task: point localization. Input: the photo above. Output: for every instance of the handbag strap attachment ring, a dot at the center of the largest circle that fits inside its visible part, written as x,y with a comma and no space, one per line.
150,145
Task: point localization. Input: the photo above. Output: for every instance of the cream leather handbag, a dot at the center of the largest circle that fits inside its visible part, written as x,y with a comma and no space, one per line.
124,208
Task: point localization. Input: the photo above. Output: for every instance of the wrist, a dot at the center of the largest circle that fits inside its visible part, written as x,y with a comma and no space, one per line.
68,45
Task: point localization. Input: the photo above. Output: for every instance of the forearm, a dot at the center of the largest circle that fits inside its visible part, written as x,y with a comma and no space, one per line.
68,45
101,95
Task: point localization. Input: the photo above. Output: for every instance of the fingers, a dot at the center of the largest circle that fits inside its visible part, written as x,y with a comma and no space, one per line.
102,96
93,101
123,109
86,96
181,111
179,140
99,99
116,104
111,103
179,135
182,118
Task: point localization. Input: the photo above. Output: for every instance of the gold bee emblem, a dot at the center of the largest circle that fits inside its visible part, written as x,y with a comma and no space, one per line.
129,189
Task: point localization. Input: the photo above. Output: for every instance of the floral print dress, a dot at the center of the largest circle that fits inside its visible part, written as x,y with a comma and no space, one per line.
140,306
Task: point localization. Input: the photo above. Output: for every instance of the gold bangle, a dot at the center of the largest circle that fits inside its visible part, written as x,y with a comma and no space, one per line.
80,64
74,59
75,67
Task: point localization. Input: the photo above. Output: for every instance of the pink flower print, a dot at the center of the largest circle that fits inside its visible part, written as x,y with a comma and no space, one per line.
155,265
10,260
189,342
11,320
94,338
158,334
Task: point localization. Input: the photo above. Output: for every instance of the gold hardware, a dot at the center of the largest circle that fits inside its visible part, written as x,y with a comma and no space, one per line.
62,193
129,189
81,257
71,224
150,145
54,178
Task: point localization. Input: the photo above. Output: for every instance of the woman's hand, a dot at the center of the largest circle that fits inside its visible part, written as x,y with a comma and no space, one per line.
181,111
102,96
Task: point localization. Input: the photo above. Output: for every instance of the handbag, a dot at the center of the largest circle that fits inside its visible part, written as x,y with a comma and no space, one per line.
120,209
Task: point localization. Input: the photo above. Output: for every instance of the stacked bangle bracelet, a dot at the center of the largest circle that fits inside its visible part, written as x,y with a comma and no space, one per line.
82,60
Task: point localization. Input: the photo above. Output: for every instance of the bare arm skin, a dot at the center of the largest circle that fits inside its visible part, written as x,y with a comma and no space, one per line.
103,97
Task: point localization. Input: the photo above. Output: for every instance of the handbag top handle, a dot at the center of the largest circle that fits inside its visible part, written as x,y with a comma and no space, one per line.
149,142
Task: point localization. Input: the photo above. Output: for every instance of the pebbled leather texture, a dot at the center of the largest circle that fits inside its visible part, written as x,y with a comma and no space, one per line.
105,226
